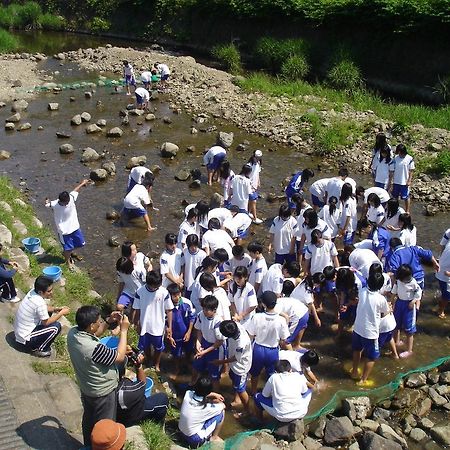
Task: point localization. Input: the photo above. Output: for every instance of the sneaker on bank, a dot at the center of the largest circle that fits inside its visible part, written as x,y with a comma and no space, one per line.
11,300
41,354
257,221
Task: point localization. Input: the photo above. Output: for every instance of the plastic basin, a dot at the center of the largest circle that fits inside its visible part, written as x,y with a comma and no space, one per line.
110,342
32,244
52,272
148,387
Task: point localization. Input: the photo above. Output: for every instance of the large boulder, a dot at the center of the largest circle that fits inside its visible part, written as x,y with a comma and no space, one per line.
89,155
114,132
19,106
14,118
338,430
372,441
65,149
356,407
225,139
292,431
76,120
93,128
136,161
99,175
169,150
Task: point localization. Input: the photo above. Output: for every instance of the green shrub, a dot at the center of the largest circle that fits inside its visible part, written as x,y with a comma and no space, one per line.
154,436
29,14
272,52
51,22
295,68
441,164
229,56
345,75
8,42
99,25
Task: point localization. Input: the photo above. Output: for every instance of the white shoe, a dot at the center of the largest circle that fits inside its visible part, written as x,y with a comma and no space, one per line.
12,300
257,221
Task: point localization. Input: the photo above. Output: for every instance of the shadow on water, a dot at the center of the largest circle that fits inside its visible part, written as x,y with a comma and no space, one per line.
37,161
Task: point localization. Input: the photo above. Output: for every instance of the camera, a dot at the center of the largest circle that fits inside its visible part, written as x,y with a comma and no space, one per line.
133,356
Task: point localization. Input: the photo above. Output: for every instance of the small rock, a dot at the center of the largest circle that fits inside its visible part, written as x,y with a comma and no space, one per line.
88,94
24,126
110,167
426,424
4,155
182,175
416,380
317,427
225,139
167,119
9,126
5,206
372,441
387,432
53,106
85,116
169,150
89,155
434,147
137,112
368,424
63,134
65,149
112,215
292,431
190,149
150,117
2,104
441,434
40,128
380,413
19,106
194,130
14,118
311,444
99,175
404,398
114,132
417,434
72,99
93,128
338,430
356,407
60,56
196,184
136,161
126,121
155,169
76,120
431,210
437,399
5,235
101,123
20,227
445,377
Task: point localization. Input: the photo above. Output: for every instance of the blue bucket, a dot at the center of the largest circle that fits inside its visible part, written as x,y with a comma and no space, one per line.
52,272
148,387
110,342
32,244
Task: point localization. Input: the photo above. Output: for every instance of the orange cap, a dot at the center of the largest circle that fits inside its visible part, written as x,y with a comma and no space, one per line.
108,435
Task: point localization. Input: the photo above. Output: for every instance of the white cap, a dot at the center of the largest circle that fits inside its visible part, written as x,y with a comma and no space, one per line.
258,153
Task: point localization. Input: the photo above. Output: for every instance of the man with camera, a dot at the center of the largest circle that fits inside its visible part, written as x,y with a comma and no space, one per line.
132,404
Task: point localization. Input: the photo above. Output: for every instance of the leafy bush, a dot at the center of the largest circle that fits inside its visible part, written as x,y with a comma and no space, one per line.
51,22
272,52
345,75
29,14
295,68
229,56
8,42
99,25
441,164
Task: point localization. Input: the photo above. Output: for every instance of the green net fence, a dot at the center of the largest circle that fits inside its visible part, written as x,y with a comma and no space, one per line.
376,395
82,84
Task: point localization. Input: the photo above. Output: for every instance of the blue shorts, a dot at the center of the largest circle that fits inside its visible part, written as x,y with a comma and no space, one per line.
198,439
241,234
316,201
383,338
181,348
134,213
349,315
73,240
444,290
348,238
285,257
330,286
125,299
302,324
148,340
239,382
129,79
260,400
264,357
165,77
139,99
203,364
216,162
380,185
253,196
400,190
370,347
405,317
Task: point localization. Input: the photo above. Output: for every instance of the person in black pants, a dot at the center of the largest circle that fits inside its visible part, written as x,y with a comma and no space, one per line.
7,289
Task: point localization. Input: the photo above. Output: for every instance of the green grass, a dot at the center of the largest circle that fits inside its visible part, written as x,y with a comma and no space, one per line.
359,100
228,55
8,42
155,437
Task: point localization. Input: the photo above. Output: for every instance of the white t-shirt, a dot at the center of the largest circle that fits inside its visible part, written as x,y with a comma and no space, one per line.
242,188
381,169
383,194
241,348
319,188
332,220
401,168
238,224
286,390
408,237
375,214
194,414
334,187
66,217
226,183
215,150
273,279
223,214
444,265
300,218
232,263
445,238
133,281
361,259
243,299
191,262
407,291
163,69
146,76
302,293
283,232
320,257
137,197
197,292
257,268
153,306
349,210
293,308
306,230
185,230
387,323
138,173
209,327
214,239
170,262
223,310
142,92
268,329
393,221
371,306
293,357
254,175
32,311
128,70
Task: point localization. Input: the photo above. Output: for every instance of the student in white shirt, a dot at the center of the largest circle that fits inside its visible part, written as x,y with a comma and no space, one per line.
242,296
331,214
318,192
258,266
375,212
301,205
208,282
285,396
239,359
66,221
238,224
164,71
208,265
304,292
408,232
240,258
381,163
392,214
226,176
136,202
216,238
361,259
283,235
445,239
130,280
443,276
146,78
202,414
171,262
128,75
213,159
137,175
219,212
276,275
401,173
349,214
187,227
151,307
192,259
372,306
320,254
255,162
269,331
241,188
142,98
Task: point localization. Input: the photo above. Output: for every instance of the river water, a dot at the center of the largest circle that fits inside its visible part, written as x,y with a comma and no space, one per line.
36,160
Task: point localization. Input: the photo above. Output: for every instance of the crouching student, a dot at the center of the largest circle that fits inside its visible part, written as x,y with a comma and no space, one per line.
209,343
183,318
285,396
301,361
269,330
202,414
239,360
